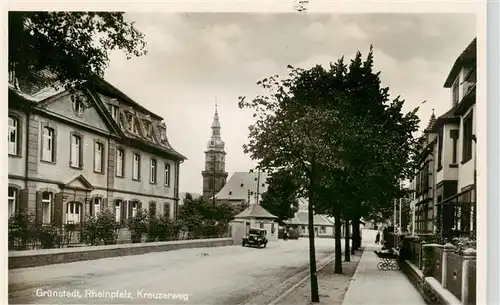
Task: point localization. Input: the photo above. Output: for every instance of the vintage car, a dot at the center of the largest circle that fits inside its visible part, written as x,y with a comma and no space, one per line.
255,238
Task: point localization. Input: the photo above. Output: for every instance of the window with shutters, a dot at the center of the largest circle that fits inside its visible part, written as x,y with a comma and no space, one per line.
47,199
73,212
152,209
12,197
152,171
13,138
118,213
136,167
120,162
76,151
97,205
48,147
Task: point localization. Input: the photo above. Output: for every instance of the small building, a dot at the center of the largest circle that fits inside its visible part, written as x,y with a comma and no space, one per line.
323,227
255,216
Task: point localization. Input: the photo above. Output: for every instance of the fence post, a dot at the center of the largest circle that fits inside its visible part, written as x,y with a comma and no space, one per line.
421,255
468,255
447,249
427,262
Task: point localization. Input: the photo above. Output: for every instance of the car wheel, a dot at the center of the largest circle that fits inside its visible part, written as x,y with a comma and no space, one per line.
258,245
265,245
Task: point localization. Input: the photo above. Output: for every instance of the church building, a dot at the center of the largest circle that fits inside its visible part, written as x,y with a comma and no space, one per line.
214,175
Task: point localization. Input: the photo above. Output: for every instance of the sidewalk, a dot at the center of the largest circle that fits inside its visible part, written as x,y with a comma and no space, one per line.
370,286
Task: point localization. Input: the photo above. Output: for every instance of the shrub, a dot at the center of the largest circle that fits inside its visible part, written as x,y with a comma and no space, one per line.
293,233
463,243
48,236
22,230
99,229
138,225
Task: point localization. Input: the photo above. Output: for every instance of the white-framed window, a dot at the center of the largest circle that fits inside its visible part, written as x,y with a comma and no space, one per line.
73,212
13,135
97,205
147,128
114,111
135,207
136,167
76,142
46,207
152,171
322,230
120,162
98,154
12,196
118,213
78,107
48,144
167,174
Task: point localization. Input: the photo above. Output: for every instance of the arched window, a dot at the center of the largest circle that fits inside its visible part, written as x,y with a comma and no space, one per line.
73,212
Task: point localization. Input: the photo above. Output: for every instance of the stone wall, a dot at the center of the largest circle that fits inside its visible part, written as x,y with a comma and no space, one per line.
36,258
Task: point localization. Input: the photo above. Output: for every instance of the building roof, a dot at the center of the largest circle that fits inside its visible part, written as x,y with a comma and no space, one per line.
301,218
240,183
45,85
255,211
467,57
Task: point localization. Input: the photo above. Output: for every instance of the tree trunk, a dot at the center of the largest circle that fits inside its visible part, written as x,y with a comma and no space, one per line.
312,250
338,244
347,250
355,234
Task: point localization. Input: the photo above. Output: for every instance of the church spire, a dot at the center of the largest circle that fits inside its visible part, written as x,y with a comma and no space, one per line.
216,122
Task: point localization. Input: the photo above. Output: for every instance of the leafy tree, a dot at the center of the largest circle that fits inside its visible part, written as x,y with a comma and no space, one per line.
73,46
280,198
288,135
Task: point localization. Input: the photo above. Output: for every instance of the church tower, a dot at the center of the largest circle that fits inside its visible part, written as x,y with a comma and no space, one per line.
214,175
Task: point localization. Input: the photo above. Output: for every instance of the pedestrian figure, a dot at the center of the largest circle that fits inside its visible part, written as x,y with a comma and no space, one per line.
285,235
377,238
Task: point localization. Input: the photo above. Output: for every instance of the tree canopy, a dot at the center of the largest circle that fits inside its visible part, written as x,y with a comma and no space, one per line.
73,46
280,199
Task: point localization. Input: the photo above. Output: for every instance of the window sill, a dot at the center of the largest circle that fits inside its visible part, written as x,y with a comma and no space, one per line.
136,179
454,165
152,182
465,161
15,156
121,177
99,172
48,162
76,167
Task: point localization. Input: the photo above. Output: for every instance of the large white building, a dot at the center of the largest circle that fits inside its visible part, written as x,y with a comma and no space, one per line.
75,155
445,186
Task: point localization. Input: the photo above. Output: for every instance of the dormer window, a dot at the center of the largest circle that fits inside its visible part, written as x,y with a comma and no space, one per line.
147,128
130,120
114,111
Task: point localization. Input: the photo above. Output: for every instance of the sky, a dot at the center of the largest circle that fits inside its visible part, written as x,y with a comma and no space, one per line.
196,58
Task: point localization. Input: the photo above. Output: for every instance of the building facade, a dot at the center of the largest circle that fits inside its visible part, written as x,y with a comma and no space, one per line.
75,154
243,187
214,175
451,180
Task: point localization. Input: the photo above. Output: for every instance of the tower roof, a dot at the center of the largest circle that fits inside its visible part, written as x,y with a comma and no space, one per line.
215,142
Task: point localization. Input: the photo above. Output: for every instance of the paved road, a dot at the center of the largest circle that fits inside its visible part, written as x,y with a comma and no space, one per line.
221,275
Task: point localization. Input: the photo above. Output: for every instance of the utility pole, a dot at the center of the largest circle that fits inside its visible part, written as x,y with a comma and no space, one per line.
258,184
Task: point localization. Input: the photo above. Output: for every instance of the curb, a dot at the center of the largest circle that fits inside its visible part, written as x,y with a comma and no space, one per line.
329,259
